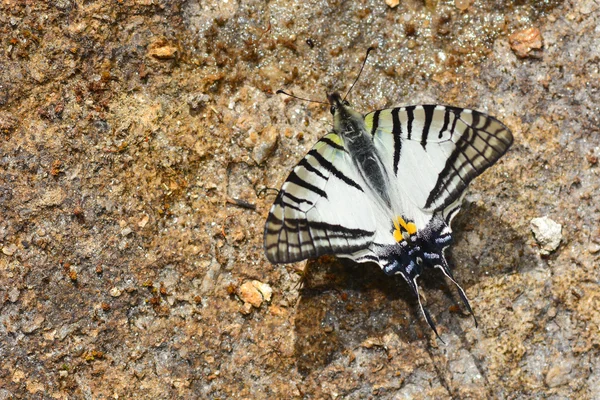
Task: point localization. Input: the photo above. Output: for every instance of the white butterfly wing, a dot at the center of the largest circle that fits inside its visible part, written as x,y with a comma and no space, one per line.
436,151
322,208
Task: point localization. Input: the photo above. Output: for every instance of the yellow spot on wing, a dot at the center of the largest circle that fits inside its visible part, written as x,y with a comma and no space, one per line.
409,227
335,139
401,225
369,122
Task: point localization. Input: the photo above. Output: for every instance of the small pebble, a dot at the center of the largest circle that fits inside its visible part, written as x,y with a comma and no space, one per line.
10,249
266,144
547,233
144,221
523,42
250,294
462,5
163,51
13,295
392,3
559,373
33,324
255,293
594,248
264,289
115,292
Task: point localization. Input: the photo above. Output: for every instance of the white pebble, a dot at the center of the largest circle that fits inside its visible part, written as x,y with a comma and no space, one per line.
547,233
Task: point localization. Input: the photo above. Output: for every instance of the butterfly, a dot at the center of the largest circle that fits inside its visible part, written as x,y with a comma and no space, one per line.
384,188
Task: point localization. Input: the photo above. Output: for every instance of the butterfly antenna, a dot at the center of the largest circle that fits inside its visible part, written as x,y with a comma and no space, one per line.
370,49
300,98
463,296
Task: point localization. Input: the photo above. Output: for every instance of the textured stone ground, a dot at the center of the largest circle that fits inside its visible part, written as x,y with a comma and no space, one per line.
135,137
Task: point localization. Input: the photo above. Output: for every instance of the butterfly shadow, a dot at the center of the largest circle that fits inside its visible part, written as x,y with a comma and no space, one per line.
344,305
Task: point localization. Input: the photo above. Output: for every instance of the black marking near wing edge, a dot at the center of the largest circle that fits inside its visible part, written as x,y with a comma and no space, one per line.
410,115
317,232
375,123
457,111
336,172
446,122
315,239
429,110
397,134
296,180
283,203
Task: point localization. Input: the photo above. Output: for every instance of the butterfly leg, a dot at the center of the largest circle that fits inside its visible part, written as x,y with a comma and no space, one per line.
463,296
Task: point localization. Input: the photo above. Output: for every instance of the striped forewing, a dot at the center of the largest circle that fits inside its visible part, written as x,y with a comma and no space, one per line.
321,209
436,151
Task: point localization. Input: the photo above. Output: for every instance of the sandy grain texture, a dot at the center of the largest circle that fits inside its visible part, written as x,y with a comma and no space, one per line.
135,137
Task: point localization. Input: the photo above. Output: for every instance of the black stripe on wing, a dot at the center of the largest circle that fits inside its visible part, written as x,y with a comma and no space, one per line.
375,123
468,159
397,134
326,164
428,110
410,115
293,198
446,122
332,144
296,180
368,257
325,226
334,230
304,163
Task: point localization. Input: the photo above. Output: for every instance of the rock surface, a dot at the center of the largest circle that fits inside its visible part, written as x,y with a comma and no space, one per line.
135,139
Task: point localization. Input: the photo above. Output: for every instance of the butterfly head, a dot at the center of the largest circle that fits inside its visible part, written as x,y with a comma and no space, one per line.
337,103
346,121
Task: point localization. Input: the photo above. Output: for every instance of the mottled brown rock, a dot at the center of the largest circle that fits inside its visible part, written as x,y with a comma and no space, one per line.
145,116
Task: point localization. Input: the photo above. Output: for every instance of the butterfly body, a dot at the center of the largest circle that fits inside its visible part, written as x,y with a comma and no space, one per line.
384,188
